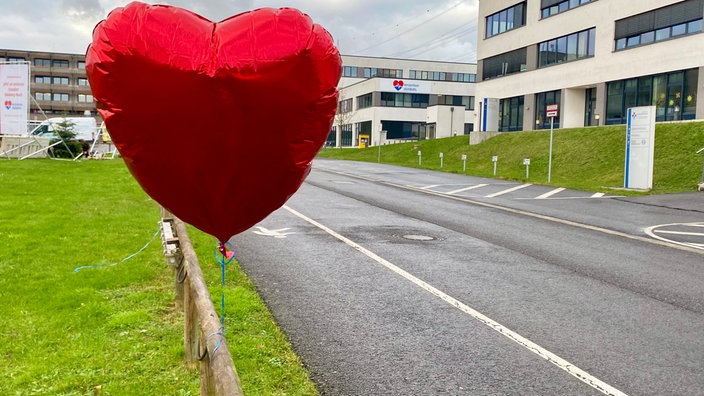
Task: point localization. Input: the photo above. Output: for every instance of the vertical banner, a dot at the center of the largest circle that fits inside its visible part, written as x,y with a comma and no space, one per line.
14,98
640,148
490,118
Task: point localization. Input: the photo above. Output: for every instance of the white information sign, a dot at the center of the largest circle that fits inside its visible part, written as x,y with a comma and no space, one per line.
14,100
640,148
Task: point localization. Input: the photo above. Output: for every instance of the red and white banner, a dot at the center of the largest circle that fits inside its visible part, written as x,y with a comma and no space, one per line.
14,98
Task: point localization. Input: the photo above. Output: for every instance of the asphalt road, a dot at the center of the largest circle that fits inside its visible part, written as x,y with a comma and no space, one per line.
396,281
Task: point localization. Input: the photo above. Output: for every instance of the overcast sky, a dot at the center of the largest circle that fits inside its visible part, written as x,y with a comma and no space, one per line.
444,30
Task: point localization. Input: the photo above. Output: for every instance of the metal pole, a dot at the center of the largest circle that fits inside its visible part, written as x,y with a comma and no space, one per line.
552,119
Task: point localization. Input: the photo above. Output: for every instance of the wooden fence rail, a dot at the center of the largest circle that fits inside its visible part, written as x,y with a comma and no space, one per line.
203,338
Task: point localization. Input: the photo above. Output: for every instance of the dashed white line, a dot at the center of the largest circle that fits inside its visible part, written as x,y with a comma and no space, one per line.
563,364
466,189
429,187
550,193
508,190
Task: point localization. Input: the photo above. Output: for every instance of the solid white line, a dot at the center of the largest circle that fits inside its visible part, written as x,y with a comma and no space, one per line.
679,233
508,333
598,195
508,191
429,187
466,189
550,193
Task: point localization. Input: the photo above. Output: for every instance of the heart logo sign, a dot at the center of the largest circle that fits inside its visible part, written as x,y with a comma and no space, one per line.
398,85
8,104
218,122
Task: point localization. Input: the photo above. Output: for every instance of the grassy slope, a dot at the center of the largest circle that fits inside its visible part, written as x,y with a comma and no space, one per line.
583,158
114,327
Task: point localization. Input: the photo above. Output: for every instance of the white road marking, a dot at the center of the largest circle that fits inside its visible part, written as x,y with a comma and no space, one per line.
506,332
429,187
550,193
658,241
598,195
466,189
280,233
681,233
654,231
508,191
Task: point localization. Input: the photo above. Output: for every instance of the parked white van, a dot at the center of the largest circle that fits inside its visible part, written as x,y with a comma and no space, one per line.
85,127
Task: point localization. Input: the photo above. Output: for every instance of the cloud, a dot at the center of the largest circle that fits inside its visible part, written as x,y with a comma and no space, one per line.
416,29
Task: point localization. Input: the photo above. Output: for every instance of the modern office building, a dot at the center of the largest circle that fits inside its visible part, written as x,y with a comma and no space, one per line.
406,99
593,58
58,83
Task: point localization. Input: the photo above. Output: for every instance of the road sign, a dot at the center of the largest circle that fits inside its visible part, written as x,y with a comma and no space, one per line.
551,110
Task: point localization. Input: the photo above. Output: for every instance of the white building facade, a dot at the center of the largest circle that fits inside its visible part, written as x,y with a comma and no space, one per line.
593,58
385,100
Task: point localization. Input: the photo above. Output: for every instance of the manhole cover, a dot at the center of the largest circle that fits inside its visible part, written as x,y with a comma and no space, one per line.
414,237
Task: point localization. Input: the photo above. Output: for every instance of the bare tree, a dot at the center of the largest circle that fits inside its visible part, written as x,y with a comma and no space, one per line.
344,116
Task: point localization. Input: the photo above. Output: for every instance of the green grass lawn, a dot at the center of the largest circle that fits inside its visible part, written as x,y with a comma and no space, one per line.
589,159
111,329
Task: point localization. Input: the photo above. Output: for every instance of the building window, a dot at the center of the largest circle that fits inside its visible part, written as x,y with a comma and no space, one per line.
59,80
347,135
42,79
549,8
349,71
81,64
364,101
59,63
42,62
345,106
42,96
511,114
504,64
59,97
567,48
442,76
394,99
453,100
541,101
463,77
680,19
85,98
404,130
505,20
674,96
82,81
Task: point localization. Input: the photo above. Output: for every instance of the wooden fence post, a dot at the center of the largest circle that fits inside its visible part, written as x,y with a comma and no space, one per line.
218,373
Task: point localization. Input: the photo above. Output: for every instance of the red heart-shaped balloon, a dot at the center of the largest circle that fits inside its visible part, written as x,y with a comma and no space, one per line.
218,122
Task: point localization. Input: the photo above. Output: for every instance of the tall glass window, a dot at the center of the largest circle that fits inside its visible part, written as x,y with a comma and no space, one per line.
541,101
505,20
567,48
674,96
511,114
364,101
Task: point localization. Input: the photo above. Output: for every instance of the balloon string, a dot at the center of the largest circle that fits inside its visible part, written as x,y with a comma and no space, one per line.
121,261
224,258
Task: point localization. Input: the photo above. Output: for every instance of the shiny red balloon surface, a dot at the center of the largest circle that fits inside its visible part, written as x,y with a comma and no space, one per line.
218,122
